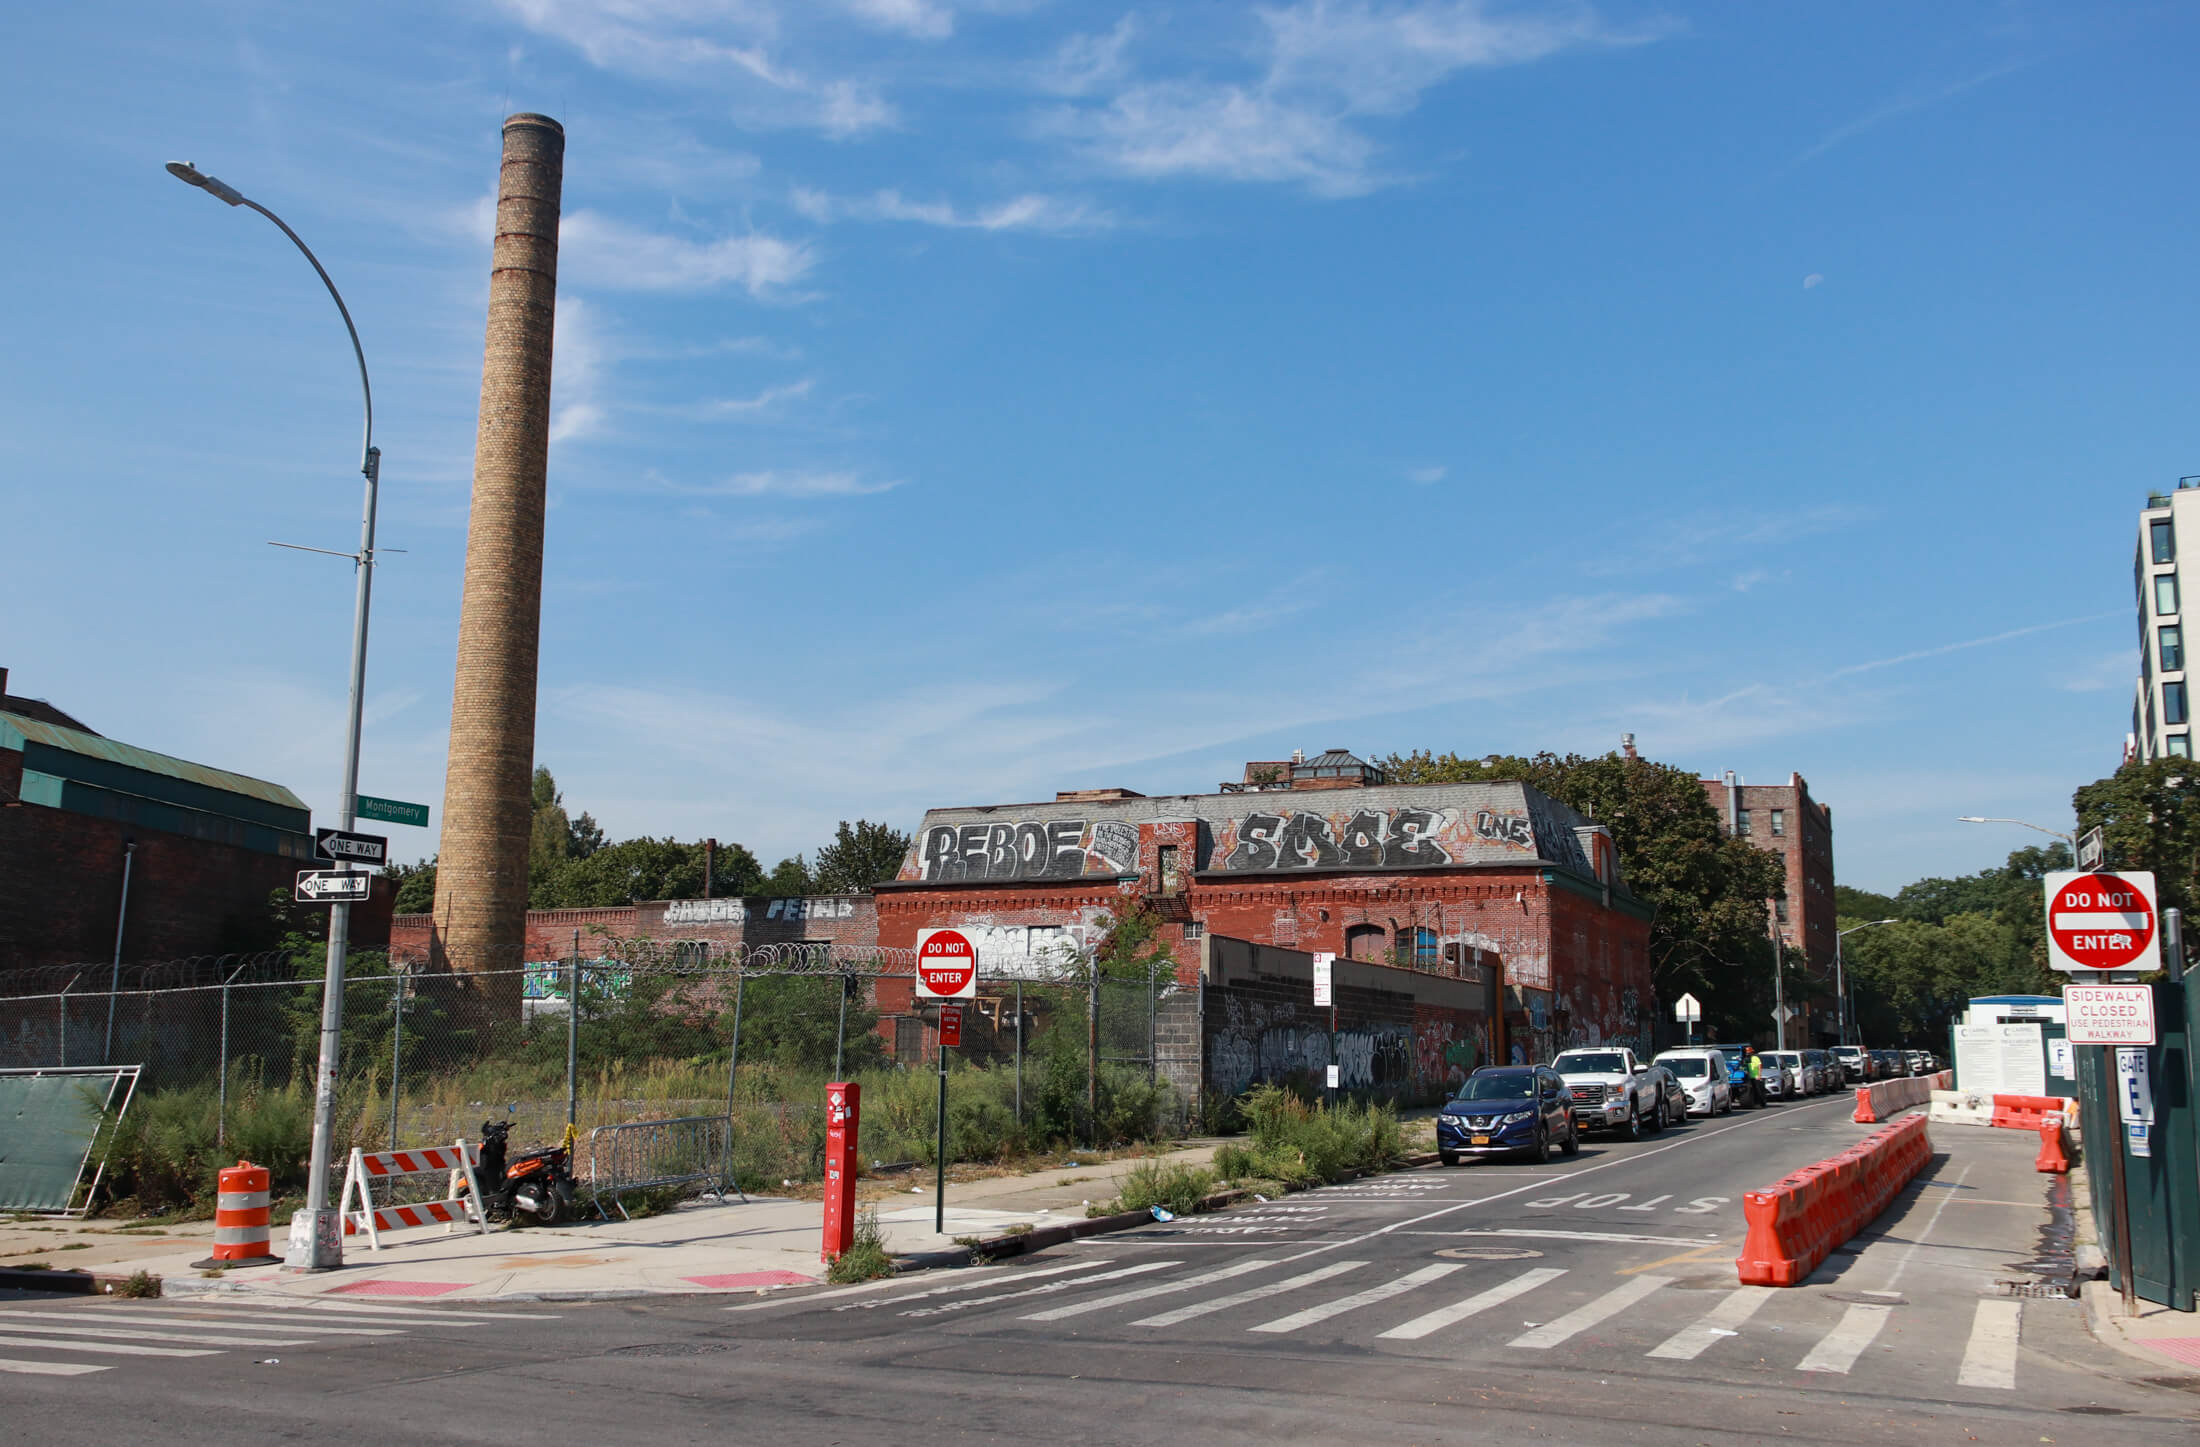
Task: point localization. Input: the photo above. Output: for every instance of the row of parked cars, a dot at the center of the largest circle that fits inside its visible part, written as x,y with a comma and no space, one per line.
1537,1110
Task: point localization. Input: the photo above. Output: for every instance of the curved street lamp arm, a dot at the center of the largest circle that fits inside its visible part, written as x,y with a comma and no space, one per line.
366,447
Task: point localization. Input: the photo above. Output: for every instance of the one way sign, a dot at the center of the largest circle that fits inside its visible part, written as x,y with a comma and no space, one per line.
345,847
330,886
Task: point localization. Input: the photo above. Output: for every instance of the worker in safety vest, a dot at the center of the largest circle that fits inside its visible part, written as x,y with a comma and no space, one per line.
1754,1066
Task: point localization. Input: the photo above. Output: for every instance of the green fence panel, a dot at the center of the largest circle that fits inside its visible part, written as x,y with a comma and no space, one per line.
48,1120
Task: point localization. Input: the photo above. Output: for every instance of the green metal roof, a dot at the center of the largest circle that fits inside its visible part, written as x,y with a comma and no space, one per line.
16,731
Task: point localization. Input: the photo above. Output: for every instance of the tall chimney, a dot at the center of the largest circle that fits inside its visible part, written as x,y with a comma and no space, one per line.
488,802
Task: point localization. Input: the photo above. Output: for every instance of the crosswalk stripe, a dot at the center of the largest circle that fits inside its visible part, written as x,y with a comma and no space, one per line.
1359,1299
1858,1326
1617,1300
52,1369
977,1284
1482,1301
18,1321
1079,1308
1053,1286
456,1316
1725,1319
1273,1288
139,1333
1990,1359
110,1348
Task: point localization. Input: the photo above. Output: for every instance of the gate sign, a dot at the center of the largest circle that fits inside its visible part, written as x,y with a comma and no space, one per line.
2110,1014
947,965
2101,921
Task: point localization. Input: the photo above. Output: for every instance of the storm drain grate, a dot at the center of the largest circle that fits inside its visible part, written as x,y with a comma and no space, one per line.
2053,1289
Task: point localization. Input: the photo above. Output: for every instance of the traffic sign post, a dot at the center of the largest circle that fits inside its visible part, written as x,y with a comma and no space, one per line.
333,886
2102,923
947,965
1688,1010
843,1112
345,847
1325,996
392,811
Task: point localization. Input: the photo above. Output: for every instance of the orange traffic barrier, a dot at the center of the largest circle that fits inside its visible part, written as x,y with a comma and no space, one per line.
1795,1224
1883,1098
240,1218
1865,1115
2052,1157
2026,1112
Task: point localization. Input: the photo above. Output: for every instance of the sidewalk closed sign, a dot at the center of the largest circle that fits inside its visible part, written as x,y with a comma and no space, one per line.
2110,1014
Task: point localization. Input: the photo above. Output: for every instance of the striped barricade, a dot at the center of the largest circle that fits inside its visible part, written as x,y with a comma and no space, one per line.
456,1162
1795,1224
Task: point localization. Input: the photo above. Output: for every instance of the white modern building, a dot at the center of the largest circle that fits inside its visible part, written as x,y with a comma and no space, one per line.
2161,710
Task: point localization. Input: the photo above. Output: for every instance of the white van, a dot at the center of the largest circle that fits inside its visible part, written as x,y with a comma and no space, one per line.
1703,1074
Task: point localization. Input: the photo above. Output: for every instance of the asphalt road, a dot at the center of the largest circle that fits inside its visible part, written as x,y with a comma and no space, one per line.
1592,1300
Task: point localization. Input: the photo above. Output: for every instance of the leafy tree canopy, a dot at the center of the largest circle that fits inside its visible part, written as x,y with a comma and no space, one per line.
860,856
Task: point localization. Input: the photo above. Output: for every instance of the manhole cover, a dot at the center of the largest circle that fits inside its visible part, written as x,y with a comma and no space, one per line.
673,1349
1488,1253
2098,1411
1868,1298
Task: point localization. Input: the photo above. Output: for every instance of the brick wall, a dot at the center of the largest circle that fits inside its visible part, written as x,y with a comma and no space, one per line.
841,919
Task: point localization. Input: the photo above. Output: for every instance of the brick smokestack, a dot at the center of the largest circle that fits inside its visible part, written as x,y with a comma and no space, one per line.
481,878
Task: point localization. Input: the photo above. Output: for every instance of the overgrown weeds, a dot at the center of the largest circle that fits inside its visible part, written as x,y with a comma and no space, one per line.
1172,1185
140,1285
1303,1144
866,1259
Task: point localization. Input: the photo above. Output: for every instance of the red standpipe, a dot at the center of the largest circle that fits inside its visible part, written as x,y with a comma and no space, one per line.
843,1109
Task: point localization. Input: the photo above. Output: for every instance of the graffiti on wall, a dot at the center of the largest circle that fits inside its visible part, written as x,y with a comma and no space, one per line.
1597,1012
1251,1042
1027,849
738,911
1364,839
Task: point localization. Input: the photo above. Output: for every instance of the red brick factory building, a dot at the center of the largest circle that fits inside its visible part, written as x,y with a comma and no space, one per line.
1444,898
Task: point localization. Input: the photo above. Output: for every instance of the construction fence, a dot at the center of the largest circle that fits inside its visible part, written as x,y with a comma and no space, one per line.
617,1032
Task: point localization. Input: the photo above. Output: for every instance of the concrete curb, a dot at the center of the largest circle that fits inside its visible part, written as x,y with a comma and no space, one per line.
2103,1304
72,1283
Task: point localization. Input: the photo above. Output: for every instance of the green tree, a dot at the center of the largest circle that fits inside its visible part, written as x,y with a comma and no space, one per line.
636,869
550,839
2149,818
415,886
789,879
859,856
1710,935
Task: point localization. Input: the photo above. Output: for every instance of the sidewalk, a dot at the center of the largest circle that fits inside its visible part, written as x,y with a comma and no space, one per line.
701,1247
2153,1333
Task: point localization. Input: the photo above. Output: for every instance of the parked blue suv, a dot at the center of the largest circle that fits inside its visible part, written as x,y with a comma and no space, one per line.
1508,1108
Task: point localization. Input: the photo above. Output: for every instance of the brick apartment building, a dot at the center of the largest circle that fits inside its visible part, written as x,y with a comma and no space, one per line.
203,847
1783,819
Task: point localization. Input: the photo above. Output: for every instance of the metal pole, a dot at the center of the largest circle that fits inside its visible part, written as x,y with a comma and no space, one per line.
65,1014
2173,944
573,1036
840,1032
316,1236
1840,991
1153,1025
397,1046
221,1088
1779,995
939,1177
1019,1052
733,1054
1092,1055
2118,1136
114,980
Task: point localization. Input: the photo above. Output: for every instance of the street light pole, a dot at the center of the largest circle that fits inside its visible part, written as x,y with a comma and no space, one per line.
316,1236
1840,980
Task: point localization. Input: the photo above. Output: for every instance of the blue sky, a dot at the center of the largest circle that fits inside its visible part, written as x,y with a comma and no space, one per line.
956,402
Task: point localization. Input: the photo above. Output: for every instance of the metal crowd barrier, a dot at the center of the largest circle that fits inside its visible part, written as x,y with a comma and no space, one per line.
643,1154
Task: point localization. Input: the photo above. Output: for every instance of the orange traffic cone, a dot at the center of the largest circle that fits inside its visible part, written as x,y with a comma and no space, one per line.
2052,1157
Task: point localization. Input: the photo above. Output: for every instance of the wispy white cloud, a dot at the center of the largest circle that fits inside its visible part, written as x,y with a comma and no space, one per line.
1426,475
1086,63
583,359
1944,649
2118,669
1814,280
1029,212
925,19
766,403
598,250
1326,67
789,484
714,43
1686,542
1915,98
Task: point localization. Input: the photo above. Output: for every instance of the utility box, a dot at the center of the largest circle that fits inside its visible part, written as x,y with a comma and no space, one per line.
2162,1168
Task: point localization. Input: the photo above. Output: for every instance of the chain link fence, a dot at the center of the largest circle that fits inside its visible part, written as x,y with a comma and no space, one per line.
615,1031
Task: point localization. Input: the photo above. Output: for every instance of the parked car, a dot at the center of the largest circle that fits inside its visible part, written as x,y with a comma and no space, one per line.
1855,1064
1892,1066
1504,1109
1826,1073
1704,1076
1672,1095
1921,1062
1609,1091
1786,1074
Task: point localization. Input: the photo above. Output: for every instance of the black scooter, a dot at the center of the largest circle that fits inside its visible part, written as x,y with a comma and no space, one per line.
537,1187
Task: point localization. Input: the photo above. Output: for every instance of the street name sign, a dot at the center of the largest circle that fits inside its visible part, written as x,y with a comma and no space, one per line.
391,811
1325,978
951,1027
2092,850
2110,1014
345,847
2097,921
333,886
947,965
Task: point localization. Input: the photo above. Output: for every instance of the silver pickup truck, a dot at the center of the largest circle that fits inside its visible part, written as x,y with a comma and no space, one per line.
1610,1089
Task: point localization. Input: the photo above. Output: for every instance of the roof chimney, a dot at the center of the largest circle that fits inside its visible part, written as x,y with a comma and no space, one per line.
1298,756
3,683
1627,746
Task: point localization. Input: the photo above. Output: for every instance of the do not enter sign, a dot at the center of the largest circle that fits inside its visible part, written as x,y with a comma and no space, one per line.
947,965
2098,921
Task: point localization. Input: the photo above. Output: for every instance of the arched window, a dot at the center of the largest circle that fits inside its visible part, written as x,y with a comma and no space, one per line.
1364,942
